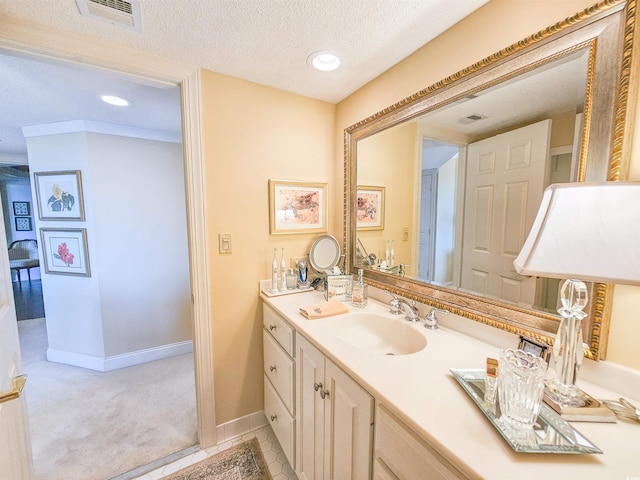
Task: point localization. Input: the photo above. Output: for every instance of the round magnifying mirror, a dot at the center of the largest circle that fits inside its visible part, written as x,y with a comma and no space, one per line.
324,253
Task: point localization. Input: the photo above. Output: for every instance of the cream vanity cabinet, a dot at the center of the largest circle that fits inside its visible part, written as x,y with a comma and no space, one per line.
335,419
279,383
399,454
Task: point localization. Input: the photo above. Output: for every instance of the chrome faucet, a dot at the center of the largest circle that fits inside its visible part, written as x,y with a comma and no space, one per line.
397,305
411,311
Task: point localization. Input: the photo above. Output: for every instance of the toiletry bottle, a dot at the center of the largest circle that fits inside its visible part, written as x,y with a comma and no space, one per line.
292,279
393,256
387,255
491,382
283,273
274,273
359,292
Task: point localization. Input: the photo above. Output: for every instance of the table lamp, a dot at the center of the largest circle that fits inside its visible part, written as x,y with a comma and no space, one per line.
582,232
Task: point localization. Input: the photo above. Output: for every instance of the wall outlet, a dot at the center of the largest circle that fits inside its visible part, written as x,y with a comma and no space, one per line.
405,234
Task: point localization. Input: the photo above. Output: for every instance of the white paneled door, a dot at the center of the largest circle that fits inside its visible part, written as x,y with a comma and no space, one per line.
506,176
15,447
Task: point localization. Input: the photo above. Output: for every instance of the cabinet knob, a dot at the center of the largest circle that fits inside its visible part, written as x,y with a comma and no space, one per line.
274,418
272,327
324,393
272,368
317,386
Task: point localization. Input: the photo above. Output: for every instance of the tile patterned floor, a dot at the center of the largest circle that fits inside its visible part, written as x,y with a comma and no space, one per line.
273,455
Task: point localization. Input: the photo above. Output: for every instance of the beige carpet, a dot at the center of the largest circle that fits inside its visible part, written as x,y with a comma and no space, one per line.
242,462
95,425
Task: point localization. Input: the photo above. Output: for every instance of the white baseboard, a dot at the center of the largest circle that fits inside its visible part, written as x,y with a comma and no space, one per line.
106,364
240,426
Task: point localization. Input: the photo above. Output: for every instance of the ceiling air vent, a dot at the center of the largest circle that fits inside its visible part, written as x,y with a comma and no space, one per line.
123,13
471,118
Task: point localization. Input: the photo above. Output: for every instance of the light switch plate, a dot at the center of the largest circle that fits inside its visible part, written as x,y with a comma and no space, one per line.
224,243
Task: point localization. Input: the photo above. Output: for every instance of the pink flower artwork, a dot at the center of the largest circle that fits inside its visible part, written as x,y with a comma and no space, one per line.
64,254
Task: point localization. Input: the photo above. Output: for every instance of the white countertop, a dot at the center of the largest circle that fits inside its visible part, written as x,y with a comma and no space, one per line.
420,389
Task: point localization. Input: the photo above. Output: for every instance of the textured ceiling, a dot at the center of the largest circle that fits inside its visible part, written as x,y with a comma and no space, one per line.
264,41
268,41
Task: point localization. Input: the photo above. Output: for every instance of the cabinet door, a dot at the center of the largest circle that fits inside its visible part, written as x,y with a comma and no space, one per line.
310,411
348,427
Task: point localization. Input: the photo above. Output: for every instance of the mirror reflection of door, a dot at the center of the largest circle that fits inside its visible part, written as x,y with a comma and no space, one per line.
563,165
506,175
437,211
428,206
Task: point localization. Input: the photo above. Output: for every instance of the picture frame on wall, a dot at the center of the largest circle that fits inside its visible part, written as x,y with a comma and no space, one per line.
59,195
22,209
370,210
297,207
65,251
23,224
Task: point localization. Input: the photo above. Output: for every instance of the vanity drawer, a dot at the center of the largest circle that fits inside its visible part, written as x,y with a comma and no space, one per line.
400,453
282,423
279,368
281,330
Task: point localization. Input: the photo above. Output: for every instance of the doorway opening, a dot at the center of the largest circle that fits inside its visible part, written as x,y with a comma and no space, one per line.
438,197
102,400
32,40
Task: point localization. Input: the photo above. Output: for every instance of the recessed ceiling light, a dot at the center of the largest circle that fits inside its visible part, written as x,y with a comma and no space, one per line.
324,61
115,100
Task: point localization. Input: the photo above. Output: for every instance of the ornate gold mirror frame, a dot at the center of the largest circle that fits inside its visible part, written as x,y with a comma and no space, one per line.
607,31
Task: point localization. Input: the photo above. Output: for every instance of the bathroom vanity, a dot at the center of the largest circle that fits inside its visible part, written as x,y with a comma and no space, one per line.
345,408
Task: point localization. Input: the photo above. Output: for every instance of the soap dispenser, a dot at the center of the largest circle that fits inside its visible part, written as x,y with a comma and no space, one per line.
359,292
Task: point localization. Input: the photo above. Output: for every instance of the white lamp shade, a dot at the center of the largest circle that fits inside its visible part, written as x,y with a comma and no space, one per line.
586,231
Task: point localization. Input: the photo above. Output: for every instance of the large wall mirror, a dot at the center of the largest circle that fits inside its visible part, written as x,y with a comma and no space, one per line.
444,185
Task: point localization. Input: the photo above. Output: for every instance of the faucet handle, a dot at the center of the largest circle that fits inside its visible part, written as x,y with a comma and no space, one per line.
431,320
394,303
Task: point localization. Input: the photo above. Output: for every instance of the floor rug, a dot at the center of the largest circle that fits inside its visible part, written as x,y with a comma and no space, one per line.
242,462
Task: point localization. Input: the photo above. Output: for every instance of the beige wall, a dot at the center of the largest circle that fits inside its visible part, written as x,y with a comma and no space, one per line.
391,158
251,134
494,26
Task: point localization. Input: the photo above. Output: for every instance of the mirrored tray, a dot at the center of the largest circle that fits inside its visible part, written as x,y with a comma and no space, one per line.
550,434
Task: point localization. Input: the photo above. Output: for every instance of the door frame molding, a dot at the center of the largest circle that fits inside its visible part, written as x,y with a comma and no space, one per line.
25,38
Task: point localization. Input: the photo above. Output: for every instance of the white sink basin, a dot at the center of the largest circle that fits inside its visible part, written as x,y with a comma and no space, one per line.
378,334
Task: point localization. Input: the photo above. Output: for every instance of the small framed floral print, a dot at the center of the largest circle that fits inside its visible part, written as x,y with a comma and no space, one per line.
59,195
65,251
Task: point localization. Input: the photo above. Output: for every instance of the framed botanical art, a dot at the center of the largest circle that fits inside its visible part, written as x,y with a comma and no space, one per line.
23,224
59,195
297,207
370,208
65,251
21,209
